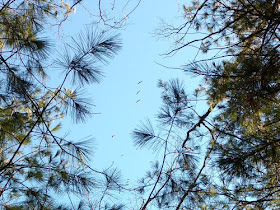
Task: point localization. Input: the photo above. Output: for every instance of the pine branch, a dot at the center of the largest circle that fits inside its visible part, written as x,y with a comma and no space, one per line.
150,198
201,169
201,120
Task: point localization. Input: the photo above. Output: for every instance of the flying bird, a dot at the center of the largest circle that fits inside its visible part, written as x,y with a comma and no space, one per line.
138,92
139,82
138,101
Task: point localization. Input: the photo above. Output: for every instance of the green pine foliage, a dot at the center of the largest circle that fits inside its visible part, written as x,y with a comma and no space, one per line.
228,156
37,165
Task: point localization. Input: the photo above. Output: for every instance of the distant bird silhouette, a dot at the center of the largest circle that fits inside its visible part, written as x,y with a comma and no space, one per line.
139,82
138,101
138,92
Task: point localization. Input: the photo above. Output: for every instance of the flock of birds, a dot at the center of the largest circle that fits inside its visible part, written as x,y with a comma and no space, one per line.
140,82
138,91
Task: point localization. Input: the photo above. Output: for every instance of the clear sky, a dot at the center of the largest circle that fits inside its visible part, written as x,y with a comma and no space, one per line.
116,98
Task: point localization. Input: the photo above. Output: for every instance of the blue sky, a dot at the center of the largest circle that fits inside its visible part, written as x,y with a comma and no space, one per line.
116,98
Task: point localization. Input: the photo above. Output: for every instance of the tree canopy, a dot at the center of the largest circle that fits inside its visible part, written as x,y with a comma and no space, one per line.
223,157
228,156
36,162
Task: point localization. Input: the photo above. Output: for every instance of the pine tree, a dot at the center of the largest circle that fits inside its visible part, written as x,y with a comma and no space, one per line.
228,156
36,163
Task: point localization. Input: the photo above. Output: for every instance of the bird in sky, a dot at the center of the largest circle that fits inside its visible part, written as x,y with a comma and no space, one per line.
138,101
139,82
138,92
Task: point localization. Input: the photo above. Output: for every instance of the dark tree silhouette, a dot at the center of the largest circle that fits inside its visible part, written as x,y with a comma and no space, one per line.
36,163
228,156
